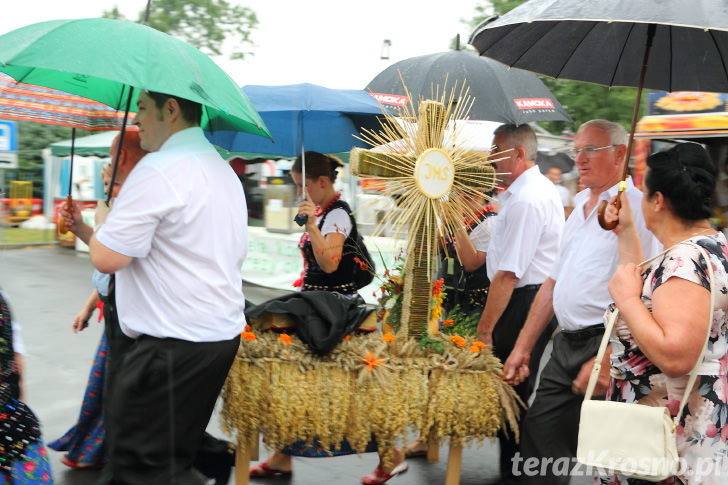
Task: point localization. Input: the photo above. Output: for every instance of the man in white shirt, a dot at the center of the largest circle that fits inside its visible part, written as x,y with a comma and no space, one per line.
523,248
576,292
176,241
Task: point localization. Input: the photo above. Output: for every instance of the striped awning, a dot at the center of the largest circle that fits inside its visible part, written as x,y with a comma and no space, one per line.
27,102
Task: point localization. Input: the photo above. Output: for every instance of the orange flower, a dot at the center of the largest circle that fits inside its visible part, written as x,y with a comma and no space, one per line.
388,337
372,361
458,340
437,287
357,260
479,344
285,338
448,323
247,328
347,337
250,336
475,348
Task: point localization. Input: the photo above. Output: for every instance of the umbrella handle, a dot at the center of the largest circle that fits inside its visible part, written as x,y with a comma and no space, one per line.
300,219
62,229
603,208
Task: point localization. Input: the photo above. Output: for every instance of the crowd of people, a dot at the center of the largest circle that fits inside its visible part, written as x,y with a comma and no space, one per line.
168,250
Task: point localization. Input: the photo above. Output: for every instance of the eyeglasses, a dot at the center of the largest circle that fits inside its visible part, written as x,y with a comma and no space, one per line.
588,151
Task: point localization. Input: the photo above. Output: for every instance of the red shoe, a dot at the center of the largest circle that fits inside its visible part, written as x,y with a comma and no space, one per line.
76,464
378,477
262,470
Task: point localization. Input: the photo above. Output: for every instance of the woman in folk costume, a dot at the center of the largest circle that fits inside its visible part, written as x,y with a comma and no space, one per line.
327,267
23,458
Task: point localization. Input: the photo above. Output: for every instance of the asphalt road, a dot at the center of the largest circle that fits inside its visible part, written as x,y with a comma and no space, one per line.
49,285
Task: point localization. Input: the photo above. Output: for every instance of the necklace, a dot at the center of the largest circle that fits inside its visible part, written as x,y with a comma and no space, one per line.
672,241
320,212
478,216
700,231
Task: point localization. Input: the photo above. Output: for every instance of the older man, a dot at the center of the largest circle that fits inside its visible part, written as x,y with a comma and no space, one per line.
577,293
176,241
523,248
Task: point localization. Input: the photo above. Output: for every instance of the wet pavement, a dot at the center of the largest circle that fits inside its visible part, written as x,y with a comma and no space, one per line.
48,286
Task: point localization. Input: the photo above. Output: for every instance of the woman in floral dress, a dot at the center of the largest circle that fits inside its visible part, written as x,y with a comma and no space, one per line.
663,309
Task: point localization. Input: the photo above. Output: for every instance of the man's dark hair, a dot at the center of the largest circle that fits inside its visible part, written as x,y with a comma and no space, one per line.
191,111
520,136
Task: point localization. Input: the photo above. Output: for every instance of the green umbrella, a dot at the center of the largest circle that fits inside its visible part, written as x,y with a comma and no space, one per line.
101,59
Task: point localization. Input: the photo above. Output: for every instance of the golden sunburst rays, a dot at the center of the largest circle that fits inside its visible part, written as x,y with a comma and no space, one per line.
432,171
397,154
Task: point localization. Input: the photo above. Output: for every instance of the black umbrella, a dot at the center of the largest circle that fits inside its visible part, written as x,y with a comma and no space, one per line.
546,160
498,93
670,45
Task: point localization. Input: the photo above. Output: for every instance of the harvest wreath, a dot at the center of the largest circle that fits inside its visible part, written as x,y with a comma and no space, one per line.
446,387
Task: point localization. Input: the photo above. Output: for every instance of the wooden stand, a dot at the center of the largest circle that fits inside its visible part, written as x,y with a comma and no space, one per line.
244,454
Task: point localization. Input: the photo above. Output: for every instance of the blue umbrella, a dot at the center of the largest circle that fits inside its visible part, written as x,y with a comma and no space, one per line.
304,116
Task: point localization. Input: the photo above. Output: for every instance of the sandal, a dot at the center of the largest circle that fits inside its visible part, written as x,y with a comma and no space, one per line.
377,477
262,470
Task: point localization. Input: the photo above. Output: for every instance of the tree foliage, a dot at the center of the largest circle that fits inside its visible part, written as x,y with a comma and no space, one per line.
206,24
583,101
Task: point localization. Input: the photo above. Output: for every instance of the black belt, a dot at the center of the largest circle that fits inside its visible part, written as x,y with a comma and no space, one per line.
583,333
526,288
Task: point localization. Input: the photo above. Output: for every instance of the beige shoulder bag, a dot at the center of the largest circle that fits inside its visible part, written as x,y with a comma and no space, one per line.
633,440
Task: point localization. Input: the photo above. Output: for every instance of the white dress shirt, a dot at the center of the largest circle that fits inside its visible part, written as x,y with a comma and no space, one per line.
181,215
589,257
527,229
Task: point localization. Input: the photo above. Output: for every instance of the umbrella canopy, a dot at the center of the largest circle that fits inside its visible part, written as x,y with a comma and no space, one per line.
498,93
670,45
304,116
96,145
101,59
604,42
26,102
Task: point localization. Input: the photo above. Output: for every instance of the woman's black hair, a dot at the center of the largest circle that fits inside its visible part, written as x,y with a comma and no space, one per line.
317,165
685,175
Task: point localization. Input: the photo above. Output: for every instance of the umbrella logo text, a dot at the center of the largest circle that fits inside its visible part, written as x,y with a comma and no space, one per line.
534,103
391,99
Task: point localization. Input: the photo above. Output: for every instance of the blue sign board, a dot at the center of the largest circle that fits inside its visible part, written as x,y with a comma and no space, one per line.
8,144
8,136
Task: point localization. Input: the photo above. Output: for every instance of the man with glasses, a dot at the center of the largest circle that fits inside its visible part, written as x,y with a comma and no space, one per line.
576,292
523,248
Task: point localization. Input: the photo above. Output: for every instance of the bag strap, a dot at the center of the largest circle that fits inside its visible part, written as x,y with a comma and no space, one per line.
613,317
